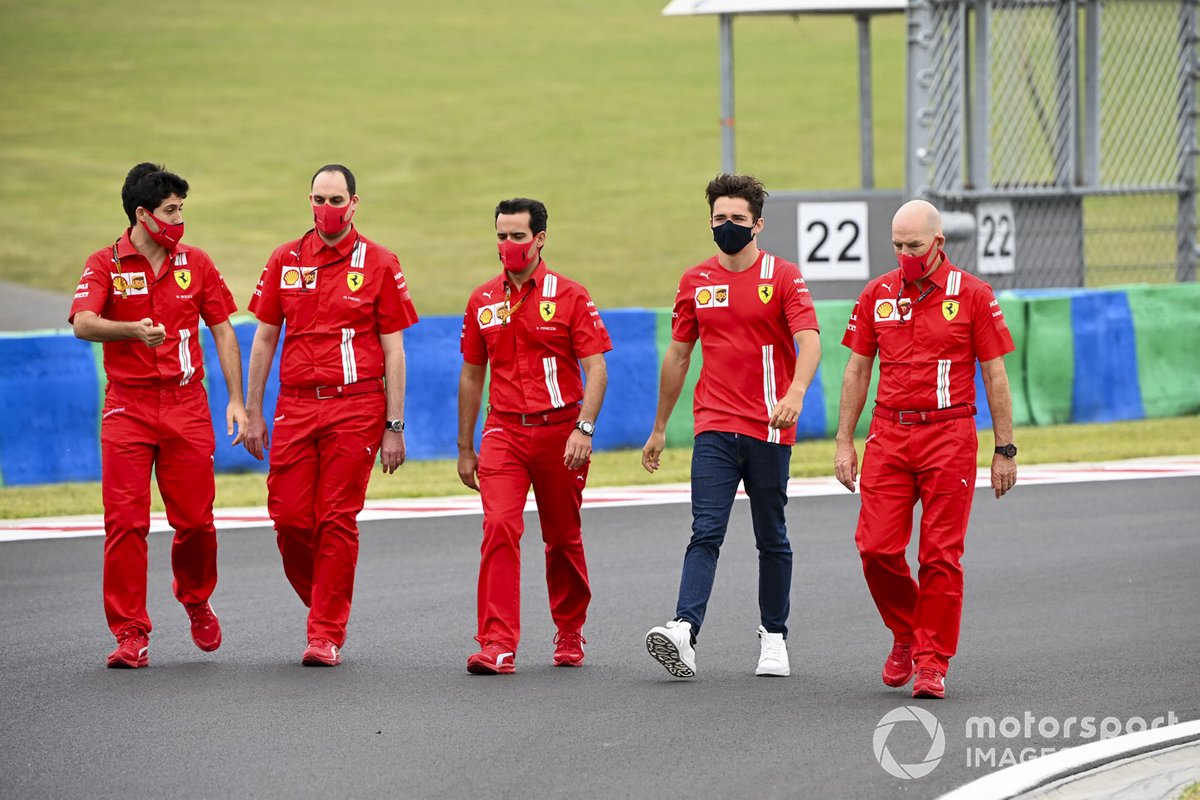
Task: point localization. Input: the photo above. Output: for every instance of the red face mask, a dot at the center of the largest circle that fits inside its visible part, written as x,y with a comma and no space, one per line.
515,256
914,267
168,235
331,220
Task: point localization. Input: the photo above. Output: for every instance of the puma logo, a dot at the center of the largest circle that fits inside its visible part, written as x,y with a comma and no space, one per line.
887,286
704,275
488,295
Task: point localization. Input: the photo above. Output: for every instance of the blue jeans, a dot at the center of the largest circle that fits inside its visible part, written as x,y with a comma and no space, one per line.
719,462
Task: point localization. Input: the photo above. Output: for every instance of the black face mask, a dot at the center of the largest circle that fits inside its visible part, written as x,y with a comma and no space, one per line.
731,237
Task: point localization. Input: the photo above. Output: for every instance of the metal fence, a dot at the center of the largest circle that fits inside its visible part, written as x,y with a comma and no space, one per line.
1066,128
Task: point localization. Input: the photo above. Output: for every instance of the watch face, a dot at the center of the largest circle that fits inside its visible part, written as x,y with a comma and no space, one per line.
586,427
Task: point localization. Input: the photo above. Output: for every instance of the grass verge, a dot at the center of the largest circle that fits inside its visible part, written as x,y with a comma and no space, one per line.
1039,445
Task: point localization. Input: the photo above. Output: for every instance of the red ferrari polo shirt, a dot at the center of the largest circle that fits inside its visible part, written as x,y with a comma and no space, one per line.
745,322
118,283
928,343
336,301
533,339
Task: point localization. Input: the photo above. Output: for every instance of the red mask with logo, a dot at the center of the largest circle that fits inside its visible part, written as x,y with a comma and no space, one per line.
515,256
331,220
913,268
167,236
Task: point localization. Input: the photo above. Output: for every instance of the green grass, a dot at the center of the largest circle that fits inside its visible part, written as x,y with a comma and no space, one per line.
1060,443
607,111
1191,792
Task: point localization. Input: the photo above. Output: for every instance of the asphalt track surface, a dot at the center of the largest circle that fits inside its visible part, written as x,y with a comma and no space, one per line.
1082,600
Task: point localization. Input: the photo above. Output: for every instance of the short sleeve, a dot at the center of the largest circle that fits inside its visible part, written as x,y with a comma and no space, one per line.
684,327
395,310
216,303
989,331
264,303
92,291
797,302
860,329
588,334
471,344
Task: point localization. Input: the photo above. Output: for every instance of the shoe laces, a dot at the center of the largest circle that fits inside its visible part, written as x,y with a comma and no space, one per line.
130,634
200,612
929,673
901,651
569,639
772,647
496,648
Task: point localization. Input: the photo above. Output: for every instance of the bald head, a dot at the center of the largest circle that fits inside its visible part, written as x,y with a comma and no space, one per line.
918,216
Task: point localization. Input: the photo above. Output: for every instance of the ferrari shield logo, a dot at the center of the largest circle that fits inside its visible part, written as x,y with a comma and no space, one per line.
949,309
547,308
183,277
765,291
354,280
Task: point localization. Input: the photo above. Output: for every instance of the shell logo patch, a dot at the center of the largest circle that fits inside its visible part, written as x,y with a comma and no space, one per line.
354,280
130,283
765,292
885,309
298,277
547,309
289,278
183,277
490,316
712,296
949,309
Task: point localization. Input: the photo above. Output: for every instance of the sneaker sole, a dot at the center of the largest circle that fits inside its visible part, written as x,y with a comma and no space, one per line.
488,669
123,664
929,694
664,651
568,662
316,661
766,673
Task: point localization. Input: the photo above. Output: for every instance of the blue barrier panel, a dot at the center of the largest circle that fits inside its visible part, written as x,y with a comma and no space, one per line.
226,458
812,422
48,407
431,391
1106,370
629,402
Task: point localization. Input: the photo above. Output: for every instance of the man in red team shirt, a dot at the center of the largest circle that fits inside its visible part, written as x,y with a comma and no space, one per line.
341,398
750,311
144,297
534,327
929,322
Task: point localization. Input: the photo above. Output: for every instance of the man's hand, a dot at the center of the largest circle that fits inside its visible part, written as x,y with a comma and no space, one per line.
845,464
787,411
1004,474
468,468
150,334
578,451
652,450
235,415
257,438
393,451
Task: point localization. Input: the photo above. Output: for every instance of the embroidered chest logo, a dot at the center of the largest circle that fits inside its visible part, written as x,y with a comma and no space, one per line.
129,283
354,280
291,278
949,309
765,292
183,277
490,316
547,308
712,296
887,310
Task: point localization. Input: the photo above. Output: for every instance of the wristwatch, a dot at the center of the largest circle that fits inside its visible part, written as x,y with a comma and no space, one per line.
395,425
1007,450
586,427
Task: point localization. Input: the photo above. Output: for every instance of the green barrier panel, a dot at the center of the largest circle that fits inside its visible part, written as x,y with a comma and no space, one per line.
1015,313
1049,359
680,428
1166,324
832,316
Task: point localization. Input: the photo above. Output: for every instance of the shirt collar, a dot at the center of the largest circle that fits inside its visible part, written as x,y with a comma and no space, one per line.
125,246
535,278
342,248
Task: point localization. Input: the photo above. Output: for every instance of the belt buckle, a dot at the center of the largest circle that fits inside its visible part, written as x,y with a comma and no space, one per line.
541,420
321,396
921,416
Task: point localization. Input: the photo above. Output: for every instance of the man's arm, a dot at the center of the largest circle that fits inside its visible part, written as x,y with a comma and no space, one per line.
787,410
470,396
579,444
855,382
670,383
394,451
230,356
262,353
91,327
995,385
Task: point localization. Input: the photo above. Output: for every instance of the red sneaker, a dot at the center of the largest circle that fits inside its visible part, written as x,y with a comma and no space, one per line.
569,650
206,629
321,653
930,682
133,651
494,659
899,665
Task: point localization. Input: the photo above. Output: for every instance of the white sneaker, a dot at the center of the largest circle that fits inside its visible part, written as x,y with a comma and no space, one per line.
772,654
671,646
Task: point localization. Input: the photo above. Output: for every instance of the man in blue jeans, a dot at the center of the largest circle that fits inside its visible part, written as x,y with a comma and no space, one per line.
750,311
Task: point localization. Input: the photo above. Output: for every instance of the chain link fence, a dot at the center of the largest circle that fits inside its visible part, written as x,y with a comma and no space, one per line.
1066,128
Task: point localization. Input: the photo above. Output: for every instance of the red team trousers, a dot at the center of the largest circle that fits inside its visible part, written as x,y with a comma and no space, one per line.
512,457
322,452
903,463
166,428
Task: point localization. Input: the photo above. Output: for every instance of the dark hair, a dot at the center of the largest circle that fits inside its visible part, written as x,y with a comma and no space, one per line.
346,173
536,208
747,187
147,185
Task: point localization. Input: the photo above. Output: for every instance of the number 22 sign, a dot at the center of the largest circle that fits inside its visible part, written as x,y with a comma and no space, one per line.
833,241
996,238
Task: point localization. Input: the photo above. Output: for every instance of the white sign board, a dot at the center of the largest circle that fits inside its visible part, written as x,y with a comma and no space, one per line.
995,238
833,241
